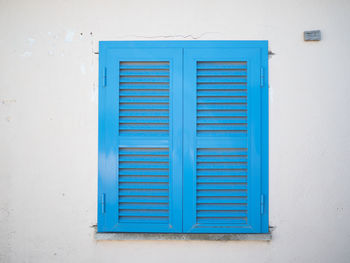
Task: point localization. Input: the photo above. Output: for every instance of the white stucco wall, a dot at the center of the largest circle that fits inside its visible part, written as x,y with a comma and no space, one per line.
48,125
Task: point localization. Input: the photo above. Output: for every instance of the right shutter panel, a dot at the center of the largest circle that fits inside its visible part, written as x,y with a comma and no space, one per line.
222,130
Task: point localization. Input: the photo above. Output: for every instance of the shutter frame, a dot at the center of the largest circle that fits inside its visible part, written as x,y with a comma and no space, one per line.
108,152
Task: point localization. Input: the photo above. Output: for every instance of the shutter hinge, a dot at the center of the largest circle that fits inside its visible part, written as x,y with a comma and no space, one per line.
103,203
262,204
105,77
261,77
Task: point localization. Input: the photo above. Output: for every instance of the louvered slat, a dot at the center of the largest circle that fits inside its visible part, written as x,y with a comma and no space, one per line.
222,196
221,98
143,185
144,98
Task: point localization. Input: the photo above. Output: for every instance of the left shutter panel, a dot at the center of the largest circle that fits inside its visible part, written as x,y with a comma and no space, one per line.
140,140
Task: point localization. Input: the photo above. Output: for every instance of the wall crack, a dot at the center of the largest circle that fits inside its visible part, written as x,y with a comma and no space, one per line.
189,36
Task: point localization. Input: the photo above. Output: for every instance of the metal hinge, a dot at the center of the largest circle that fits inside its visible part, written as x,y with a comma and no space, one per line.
103,203
261,77
262,204
105,77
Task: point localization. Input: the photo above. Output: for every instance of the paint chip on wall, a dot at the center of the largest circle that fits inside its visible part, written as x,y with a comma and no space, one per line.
26,54
69,36
83,69
31,41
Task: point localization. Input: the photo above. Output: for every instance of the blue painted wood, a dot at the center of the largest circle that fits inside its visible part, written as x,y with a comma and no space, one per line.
140,140
265,140
184,44
107,142
197,128
205,158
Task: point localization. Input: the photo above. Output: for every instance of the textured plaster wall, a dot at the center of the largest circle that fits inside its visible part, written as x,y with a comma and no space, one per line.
48,125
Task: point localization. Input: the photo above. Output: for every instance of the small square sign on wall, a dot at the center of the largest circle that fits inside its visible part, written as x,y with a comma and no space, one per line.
313,35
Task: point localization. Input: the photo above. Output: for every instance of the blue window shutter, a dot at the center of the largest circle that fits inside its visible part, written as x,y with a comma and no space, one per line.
223,138
140,140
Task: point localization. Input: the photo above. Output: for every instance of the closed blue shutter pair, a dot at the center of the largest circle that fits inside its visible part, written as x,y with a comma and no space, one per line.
183,137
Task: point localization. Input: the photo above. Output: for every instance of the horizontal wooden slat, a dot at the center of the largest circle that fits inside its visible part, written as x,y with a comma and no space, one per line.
143,158
144,79
140,128
220,159
149,92
141,213
143,120
221,93
222,99
222,207
143,151
221,72
222,151
221,113
218,221
147,165
144,99
143,219
221,200
221,65
221,193
140,179
144,92
150,192
219,81
220,127
145,113
144,86
220,96
144,72
220,186
229,213
228,120
228,172
144,199
144,65
213,165
221,86
143,185
143,206
144,106
221,179
153,172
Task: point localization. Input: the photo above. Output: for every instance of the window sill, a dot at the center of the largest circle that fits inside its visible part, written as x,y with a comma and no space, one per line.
208,237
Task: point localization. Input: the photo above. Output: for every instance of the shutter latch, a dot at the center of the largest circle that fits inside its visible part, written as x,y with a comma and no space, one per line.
103,203
105,77
261,77
262,203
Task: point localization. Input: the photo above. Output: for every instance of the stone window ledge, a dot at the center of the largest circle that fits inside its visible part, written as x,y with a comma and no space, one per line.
209,237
